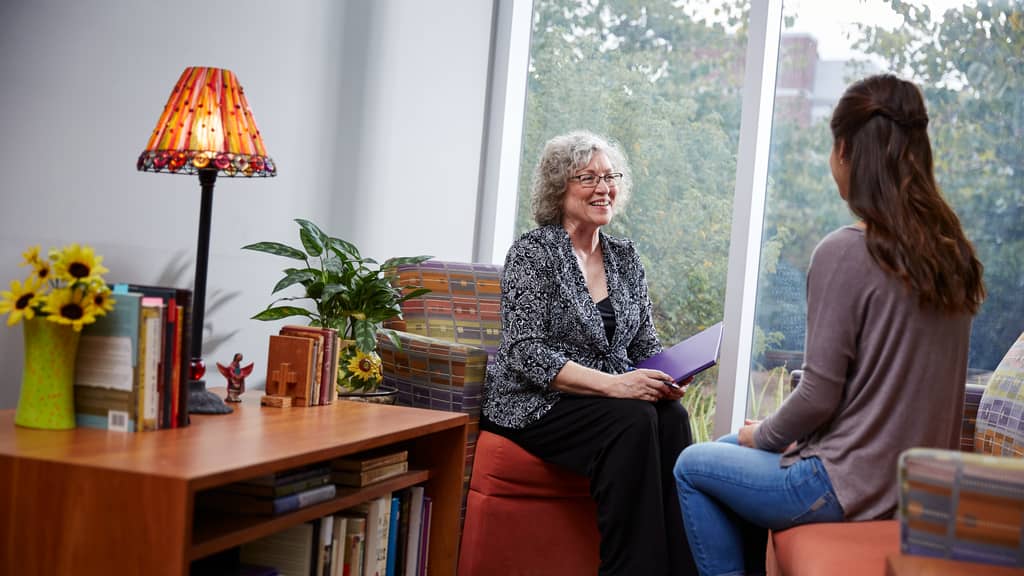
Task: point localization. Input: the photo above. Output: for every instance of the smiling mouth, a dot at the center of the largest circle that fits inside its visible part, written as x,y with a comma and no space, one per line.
601,203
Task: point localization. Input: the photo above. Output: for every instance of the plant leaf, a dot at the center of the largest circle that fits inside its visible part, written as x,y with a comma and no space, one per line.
282,312
365,335
344,248
313,239
296,276
415,293
277,249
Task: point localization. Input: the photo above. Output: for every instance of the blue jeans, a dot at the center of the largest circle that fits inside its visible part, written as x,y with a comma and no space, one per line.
731,496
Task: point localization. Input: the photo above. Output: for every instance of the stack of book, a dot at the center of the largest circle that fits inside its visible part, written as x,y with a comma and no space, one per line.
273,493
367,468
132,367
302,364
386,536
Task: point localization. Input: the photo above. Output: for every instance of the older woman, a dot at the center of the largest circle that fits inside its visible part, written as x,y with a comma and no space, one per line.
889,307
576,317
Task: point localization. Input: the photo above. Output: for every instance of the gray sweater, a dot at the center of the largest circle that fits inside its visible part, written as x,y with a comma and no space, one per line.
881,375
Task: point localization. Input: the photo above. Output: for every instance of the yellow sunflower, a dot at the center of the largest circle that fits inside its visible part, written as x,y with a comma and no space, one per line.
31,256
21,300
42,270
100,300
79,264
69,306
364,366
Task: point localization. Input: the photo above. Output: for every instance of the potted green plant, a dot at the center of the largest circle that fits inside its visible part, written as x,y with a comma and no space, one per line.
349,293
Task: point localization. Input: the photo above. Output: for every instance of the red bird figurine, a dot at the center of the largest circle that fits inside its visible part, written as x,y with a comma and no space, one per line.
235,373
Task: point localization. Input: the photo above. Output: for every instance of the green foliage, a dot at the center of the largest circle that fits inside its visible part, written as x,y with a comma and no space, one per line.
664,78
350,293
969,62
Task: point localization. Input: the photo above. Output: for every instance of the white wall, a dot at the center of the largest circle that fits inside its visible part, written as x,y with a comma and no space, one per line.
373,116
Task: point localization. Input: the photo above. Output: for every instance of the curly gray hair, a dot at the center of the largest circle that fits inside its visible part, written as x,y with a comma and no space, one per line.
562,156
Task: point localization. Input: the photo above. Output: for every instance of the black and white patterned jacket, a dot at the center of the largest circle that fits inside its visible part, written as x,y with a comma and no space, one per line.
548,319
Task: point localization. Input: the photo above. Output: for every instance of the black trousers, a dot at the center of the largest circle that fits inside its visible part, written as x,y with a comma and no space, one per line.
627,448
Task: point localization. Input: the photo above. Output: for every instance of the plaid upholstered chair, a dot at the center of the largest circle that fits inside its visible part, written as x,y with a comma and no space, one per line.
966,506
522,515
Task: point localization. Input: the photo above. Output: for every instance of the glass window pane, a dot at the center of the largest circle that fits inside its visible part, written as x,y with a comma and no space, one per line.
662,77
966,57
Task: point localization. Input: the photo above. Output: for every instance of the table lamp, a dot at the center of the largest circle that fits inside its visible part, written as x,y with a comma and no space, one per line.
206,128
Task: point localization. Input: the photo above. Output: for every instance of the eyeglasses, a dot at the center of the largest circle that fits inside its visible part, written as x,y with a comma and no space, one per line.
591,180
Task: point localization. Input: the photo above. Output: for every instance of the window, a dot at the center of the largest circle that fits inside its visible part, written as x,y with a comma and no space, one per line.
663,78
967,60
666,79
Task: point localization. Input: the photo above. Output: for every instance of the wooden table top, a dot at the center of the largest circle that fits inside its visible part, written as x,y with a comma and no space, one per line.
253,440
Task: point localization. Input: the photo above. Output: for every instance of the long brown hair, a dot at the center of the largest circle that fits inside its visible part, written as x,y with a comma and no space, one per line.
911,231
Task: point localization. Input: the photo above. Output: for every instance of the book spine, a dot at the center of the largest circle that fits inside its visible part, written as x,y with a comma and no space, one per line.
364,464
412,548
167,362
425,535
355,547
184,298
176,371
303,499
153,318
392,549
360,479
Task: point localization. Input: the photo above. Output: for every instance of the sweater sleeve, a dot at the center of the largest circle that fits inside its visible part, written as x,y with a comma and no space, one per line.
529,284
833,324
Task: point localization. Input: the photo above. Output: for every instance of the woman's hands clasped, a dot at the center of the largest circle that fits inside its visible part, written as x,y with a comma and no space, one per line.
645,384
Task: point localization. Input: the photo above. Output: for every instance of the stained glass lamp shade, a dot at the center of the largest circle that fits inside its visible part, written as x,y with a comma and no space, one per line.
206,128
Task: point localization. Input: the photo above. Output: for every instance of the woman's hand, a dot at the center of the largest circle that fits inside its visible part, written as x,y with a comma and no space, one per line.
645,384
746,433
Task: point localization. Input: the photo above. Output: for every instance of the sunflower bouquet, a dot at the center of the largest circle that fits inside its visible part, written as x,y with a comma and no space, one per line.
65,287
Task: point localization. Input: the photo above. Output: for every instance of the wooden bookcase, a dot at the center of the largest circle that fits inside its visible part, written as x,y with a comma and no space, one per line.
89,501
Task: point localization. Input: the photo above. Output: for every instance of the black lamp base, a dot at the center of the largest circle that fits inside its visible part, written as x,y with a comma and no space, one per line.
202,401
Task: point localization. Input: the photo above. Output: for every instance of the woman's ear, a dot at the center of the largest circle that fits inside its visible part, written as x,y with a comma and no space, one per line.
841,151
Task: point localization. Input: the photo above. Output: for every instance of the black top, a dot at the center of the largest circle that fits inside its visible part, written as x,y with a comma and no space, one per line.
607,316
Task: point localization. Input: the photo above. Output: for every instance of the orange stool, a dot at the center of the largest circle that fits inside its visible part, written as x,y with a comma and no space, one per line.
525,516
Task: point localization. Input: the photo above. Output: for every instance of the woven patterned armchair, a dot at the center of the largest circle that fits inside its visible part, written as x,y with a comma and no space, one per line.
965,505
448,337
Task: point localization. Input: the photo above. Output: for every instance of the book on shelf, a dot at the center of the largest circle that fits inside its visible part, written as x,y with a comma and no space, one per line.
151,340
173,347
326,361
289,550
289,368
392,549
360,479
369,460
355,545
289,476
338,545
326,546
428,505
278,490
412,546
107,381
378,521
226,501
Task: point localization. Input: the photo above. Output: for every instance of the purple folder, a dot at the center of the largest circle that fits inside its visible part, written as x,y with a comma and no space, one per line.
691,356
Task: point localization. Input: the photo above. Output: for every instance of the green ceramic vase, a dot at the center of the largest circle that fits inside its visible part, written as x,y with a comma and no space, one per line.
47,398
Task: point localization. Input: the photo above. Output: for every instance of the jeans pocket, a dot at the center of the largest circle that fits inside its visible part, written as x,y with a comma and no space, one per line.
823,504
825,508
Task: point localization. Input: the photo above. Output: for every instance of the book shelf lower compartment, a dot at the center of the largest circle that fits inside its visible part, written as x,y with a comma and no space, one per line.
215,531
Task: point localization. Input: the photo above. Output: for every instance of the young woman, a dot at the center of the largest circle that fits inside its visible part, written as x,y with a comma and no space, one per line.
889,307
